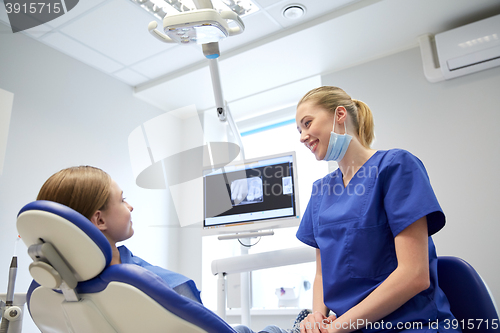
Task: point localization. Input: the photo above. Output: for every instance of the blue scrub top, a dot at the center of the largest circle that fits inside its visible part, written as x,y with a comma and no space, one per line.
354,228
181,284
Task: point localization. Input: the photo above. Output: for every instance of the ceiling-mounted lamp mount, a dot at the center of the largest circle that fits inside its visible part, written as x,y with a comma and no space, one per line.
161,8
294,11
204,26
197,27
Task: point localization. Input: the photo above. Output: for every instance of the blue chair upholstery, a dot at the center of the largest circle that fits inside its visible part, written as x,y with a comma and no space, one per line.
469,297
118,298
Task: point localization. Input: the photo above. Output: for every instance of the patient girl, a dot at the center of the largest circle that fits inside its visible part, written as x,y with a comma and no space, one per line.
91,192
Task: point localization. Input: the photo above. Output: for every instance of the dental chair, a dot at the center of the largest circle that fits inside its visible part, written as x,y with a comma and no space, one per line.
75,289
470,299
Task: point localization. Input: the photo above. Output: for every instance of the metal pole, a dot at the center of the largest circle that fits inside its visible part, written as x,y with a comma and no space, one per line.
221,295
245,293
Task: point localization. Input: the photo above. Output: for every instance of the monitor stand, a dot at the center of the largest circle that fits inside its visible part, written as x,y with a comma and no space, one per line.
245,286
247,235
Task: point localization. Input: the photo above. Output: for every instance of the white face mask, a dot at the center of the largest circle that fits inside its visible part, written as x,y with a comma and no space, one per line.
338,144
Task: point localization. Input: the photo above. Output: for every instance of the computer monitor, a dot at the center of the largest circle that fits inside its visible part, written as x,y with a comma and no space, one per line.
257,194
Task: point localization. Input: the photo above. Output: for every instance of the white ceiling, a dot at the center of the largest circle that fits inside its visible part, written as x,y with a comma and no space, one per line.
272,52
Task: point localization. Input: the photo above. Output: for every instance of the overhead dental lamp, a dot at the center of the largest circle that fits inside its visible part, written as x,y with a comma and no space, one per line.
201,26
205,26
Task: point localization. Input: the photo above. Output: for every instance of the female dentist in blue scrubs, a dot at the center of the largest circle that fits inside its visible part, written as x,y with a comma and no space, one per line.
371,222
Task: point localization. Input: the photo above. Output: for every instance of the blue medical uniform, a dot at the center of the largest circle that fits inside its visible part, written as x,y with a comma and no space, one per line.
181,284
354,227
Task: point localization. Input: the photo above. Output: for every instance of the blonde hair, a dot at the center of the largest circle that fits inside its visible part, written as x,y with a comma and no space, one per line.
85,189
331,97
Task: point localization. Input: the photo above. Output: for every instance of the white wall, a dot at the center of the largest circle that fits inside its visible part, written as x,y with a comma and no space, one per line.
66,113
452,126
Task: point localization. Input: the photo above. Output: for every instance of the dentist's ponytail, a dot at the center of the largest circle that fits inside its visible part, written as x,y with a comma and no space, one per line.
365,123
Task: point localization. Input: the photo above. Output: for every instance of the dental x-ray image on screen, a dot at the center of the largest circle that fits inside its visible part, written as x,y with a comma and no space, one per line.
247,191
253,195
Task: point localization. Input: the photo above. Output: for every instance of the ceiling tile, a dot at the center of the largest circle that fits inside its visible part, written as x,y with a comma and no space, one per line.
313,9
119,29
257,25
130,77
273,99
192,88
82,7
38,31
81,52
268,3
169,61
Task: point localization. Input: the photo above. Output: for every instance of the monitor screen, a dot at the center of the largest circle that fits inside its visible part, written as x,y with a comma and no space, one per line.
257,194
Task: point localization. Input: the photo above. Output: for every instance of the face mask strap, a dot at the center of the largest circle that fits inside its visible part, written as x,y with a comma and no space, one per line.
334,118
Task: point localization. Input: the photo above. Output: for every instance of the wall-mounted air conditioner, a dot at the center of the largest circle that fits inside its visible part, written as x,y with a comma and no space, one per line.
461,51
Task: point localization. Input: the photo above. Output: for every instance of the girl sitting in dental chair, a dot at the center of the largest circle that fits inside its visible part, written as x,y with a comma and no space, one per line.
91,192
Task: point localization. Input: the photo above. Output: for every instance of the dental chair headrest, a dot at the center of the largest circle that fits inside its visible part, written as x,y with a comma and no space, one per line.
80,243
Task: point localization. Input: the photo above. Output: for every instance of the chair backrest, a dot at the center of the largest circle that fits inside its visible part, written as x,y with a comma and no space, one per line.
470,299
118,298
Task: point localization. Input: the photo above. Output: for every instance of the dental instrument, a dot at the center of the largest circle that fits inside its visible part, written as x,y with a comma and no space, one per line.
9,311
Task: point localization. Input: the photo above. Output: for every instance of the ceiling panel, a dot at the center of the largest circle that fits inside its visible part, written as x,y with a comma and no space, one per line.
39,31
258,69
257,25
272,100
118,30
192,88
78,51
170,60
83,7
130,77
267,3
313,10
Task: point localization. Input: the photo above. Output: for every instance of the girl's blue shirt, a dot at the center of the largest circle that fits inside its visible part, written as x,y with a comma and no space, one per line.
181,284
354,227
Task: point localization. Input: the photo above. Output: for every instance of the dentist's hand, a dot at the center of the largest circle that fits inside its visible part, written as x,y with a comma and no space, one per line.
316,323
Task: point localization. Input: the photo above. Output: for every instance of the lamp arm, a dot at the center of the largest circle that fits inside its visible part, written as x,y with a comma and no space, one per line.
217,86
230,15
223,111
203,4
158,35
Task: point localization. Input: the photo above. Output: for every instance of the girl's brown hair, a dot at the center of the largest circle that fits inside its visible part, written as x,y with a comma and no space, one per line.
85,189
